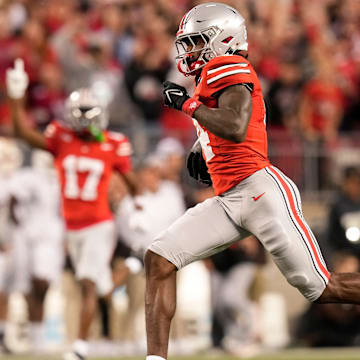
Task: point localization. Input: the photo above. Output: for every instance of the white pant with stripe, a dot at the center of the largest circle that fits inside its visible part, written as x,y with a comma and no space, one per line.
267,204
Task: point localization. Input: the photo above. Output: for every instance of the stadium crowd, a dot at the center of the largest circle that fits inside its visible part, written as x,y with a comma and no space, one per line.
307,55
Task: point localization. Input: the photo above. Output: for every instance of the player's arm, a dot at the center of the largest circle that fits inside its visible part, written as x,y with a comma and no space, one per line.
123,166
131,182
16,84
133,186
22,130
229,121
12,210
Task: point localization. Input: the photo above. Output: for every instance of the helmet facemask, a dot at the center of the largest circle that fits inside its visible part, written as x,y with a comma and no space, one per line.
187,63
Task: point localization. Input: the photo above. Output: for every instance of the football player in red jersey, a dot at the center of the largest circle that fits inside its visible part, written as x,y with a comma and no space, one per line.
86,155
252,196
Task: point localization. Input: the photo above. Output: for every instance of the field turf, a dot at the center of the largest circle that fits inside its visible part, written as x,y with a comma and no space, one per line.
297,354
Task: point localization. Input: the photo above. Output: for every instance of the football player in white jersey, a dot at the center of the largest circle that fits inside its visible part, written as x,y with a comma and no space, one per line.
10,160
36,250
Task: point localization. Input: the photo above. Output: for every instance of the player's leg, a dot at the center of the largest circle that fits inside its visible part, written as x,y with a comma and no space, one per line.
88,307
160,302
276,220
75,241
199,233
342,288
19,326
47,253
91,250
236,304
339,287
39,280
135,288
4,297
35,299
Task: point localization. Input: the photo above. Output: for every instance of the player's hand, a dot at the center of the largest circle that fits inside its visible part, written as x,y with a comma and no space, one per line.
17,80
174,95
177,98
196,165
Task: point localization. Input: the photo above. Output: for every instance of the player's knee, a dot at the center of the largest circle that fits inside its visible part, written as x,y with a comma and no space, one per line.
310,288
88,288
157,267
274,237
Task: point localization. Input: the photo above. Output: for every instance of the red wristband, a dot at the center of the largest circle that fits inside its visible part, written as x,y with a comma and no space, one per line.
190,105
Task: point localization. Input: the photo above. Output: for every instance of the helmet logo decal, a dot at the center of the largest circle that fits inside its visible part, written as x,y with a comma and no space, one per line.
227,40
183,22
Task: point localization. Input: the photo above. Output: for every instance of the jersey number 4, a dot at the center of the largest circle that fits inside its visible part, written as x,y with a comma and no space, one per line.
73,165
204,141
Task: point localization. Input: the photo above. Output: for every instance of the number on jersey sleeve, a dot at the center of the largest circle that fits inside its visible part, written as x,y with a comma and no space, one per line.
204,141
80,164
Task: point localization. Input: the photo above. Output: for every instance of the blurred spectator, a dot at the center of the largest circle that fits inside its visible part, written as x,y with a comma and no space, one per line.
86,53
343,232
86,56
36,240
332,325
10,160
46,98
125,50
147,71
321,106
115,19
161,204
284,96
233,275
170,153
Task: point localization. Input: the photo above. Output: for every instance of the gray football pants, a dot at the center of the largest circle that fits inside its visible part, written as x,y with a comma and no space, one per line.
267,204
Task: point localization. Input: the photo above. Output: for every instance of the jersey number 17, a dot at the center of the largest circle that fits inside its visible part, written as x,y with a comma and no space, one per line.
73,165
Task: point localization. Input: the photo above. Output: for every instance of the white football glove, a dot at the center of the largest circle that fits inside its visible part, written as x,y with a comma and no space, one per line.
17,80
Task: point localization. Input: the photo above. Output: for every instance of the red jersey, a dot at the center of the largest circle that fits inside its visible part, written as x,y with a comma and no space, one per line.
84,170
229,163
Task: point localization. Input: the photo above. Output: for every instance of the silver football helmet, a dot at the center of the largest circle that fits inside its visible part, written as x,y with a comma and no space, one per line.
220,26
84,110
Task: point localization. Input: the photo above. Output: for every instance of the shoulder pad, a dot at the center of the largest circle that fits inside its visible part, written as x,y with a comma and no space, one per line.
225,71
117,136
225,60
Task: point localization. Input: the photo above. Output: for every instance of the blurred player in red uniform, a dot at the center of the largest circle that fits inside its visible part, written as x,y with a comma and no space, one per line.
252,196
85,157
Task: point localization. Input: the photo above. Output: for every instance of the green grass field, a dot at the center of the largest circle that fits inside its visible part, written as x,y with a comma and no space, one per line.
298,354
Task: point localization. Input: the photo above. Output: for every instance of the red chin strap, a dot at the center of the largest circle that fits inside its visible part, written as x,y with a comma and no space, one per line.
188,64
181,66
